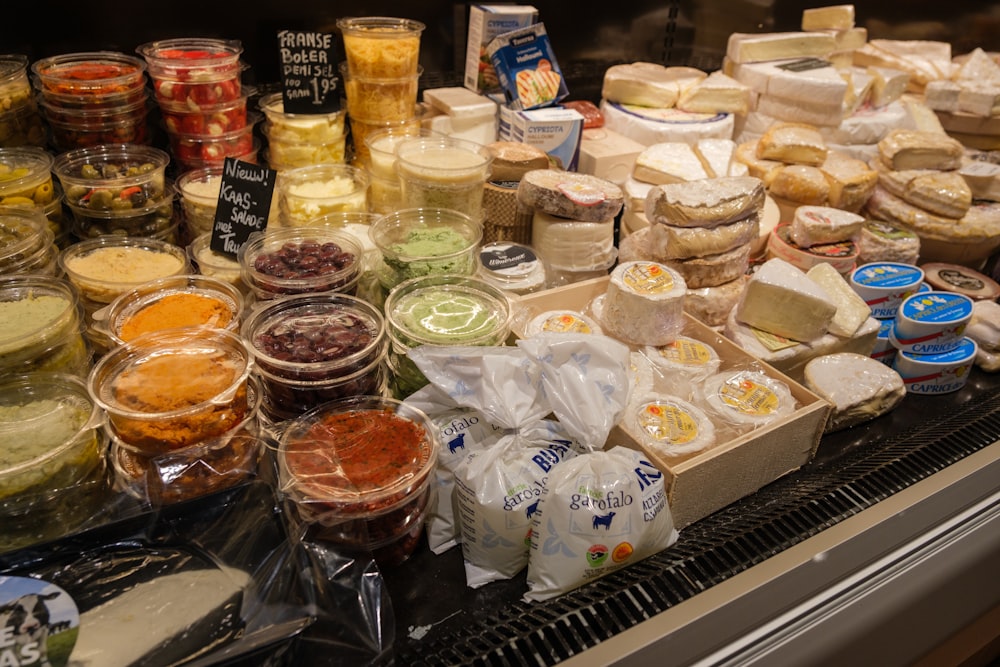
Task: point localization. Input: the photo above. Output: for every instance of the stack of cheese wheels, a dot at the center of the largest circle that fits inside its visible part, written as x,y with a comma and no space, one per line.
572,220
818,235
920,188
705,230
797,168
967,102
511,161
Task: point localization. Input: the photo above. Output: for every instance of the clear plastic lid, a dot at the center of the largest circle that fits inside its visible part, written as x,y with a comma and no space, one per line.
38,311
179,55
89,72
300,260
111,166
104,267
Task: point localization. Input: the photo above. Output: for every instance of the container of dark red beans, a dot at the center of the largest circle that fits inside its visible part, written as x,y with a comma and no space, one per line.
313,348
301,260
358,473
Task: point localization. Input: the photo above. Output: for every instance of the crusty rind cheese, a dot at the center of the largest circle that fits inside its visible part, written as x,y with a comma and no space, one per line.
903,149
858,387
765,170
711,305
668,242
851,181
644,303
648,84
713,270
801,184
816,225
780,299
792,143
567,194
706,203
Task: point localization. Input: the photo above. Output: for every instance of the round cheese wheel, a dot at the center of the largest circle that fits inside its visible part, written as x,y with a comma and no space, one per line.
961,279
644,303
687,356
655,125
671,426
562,321
748,397
571,195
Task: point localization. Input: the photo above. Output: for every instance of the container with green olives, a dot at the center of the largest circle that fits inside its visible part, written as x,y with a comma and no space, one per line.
20,121
112,177
153,219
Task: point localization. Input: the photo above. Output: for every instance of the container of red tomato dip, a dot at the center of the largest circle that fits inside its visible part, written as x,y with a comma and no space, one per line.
358,473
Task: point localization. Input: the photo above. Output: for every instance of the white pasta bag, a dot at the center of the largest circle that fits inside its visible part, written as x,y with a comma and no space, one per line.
602,510
498,485
463,430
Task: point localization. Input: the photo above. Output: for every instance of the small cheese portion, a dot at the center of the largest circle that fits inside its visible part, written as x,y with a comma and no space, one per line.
718,93
816,225
977,67
513,159
648,84
756,47
780,299
792,143
635,193
923,60
561,321
983,178
706,203
712,270
711,305
690,357
851,181
847,41
903,149
607,154
888,84
858,387
567,194
667,242
852,311
644,303
765,170
922,117
748,397
801,184
716,156
942,95
670,426
859,88
832,17
984,326
943,193
672,162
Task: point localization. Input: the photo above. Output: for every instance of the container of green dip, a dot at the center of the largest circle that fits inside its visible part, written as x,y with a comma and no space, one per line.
441,310
416,242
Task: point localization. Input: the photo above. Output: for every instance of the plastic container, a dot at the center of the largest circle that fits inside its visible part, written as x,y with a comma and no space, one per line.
374,98
282,156
441,310
215,264
153,218
112,176
297,128
213,148
20,122
172,389
314,348
26,177
52,476
199,194
111,127
386,194
359,472
942,373
26,242
301,260
191,118
381,46
512,267
442,172
42,326
209,466
191,161
310,192
884,285
204,70
89,73
931,322
418,242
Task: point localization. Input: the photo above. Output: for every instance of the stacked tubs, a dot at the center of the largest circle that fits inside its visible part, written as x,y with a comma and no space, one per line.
20,122
27,245
301,140
26,182
92,98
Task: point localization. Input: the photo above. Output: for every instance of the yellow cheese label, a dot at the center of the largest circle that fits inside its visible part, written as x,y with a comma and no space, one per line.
648,278
566,323
749,397
773,342
668,423
687,352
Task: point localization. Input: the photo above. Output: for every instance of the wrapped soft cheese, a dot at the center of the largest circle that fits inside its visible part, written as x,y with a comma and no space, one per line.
852,310
653,125
717,93
850,181
912,149
983,178
858,387
781,299
988,361
942,95
943,193
801,184
561,321
706,203
717,157
984,327
573,244
571,195
648,84
794,110
811,80
671,162
755,47
747,397
711,305
866,126
980,224
792,143
669,425
513,159
712,270
644,303
815,225
669,242
686,356
880,241
923,60
765,170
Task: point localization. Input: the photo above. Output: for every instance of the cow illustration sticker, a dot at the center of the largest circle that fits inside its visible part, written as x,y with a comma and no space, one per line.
39,623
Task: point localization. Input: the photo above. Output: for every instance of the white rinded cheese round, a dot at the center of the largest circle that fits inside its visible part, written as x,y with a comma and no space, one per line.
671,426
571,244
859,387
654,125
687,356
561,321
868,125
748,397
644,303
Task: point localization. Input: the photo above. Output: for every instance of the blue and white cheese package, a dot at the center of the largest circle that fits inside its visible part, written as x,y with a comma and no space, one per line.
937,373
884,285
931,322
527,68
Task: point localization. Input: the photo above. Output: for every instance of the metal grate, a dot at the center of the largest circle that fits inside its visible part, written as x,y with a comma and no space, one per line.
726,543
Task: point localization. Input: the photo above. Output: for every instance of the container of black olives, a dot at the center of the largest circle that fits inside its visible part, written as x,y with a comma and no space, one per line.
301,260
313,348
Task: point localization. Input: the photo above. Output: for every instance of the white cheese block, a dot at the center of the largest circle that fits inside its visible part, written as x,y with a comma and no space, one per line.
567,194
606,154
922,117
851,181
888,84
832,17
716,156
648,84
852,311
718,93
809,80
738,169
978,67
651,125
858,387
570,244
983,178
867,125
923,60
859,87
800,184
881,241
644,303
755,47
673,162
689,357
669,425
792,143
712,270
942,95
780,299
747,397
913,149
980,99
815,225
984,327
705,203
798,111
711,305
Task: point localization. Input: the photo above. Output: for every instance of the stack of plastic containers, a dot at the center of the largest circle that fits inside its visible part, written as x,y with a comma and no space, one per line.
301,140
20,122
197,83
380,75
26,182
26,243
95,97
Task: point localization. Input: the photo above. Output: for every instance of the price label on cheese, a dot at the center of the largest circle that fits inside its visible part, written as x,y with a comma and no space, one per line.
309,78
244,204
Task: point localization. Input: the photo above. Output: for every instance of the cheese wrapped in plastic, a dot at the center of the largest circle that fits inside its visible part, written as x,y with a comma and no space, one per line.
903,149
943,193
706,203
792,143
780,299
858,387
648,84
644,303
815,225
571,195
667,242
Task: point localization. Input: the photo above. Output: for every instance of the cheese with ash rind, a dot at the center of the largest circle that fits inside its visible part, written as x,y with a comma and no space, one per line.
706,203
816,225
792,143
667,242
831,17
717,93
648,84
880,241
567,194
780,299
755,47
801,184
912,149
984,327
858,387
851,181
712,305
669,425
673,162
747,397
644,303
852,311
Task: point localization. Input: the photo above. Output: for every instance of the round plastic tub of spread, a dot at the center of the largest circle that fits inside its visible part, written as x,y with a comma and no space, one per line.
41,328
301,260
150,219
314,348
53,456
171,389
209,466
362,129
171,303
205,70
26,242
112,176
417,242
309,192
300,128
359,473
443,172
218,265
441,310
381,46
26,177
199,195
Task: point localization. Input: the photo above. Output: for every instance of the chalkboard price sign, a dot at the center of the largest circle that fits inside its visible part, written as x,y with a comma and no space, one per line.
244,204
310,82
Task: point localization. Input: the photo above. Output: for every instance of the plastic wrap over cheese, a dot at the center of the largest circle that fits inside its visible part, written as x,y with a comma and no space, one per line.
707,202
644,303
570,195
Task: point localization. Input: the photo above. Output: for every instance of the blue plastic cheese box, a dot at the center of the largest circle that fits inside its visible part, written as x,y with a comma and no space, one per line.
527,69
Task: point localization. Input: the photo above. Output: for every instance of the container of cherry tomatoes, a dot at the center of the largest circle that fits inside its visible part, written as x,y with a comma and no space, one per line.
186,118
200,70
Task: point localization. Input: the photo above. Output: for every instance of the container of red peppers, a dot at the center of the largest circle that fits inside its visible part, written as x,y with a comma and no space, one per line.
357,473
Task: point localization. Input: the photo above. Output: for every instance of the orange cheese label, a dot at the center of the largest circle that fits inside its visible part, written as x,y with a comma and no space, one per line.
749,397
648,278
566,323
668,423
